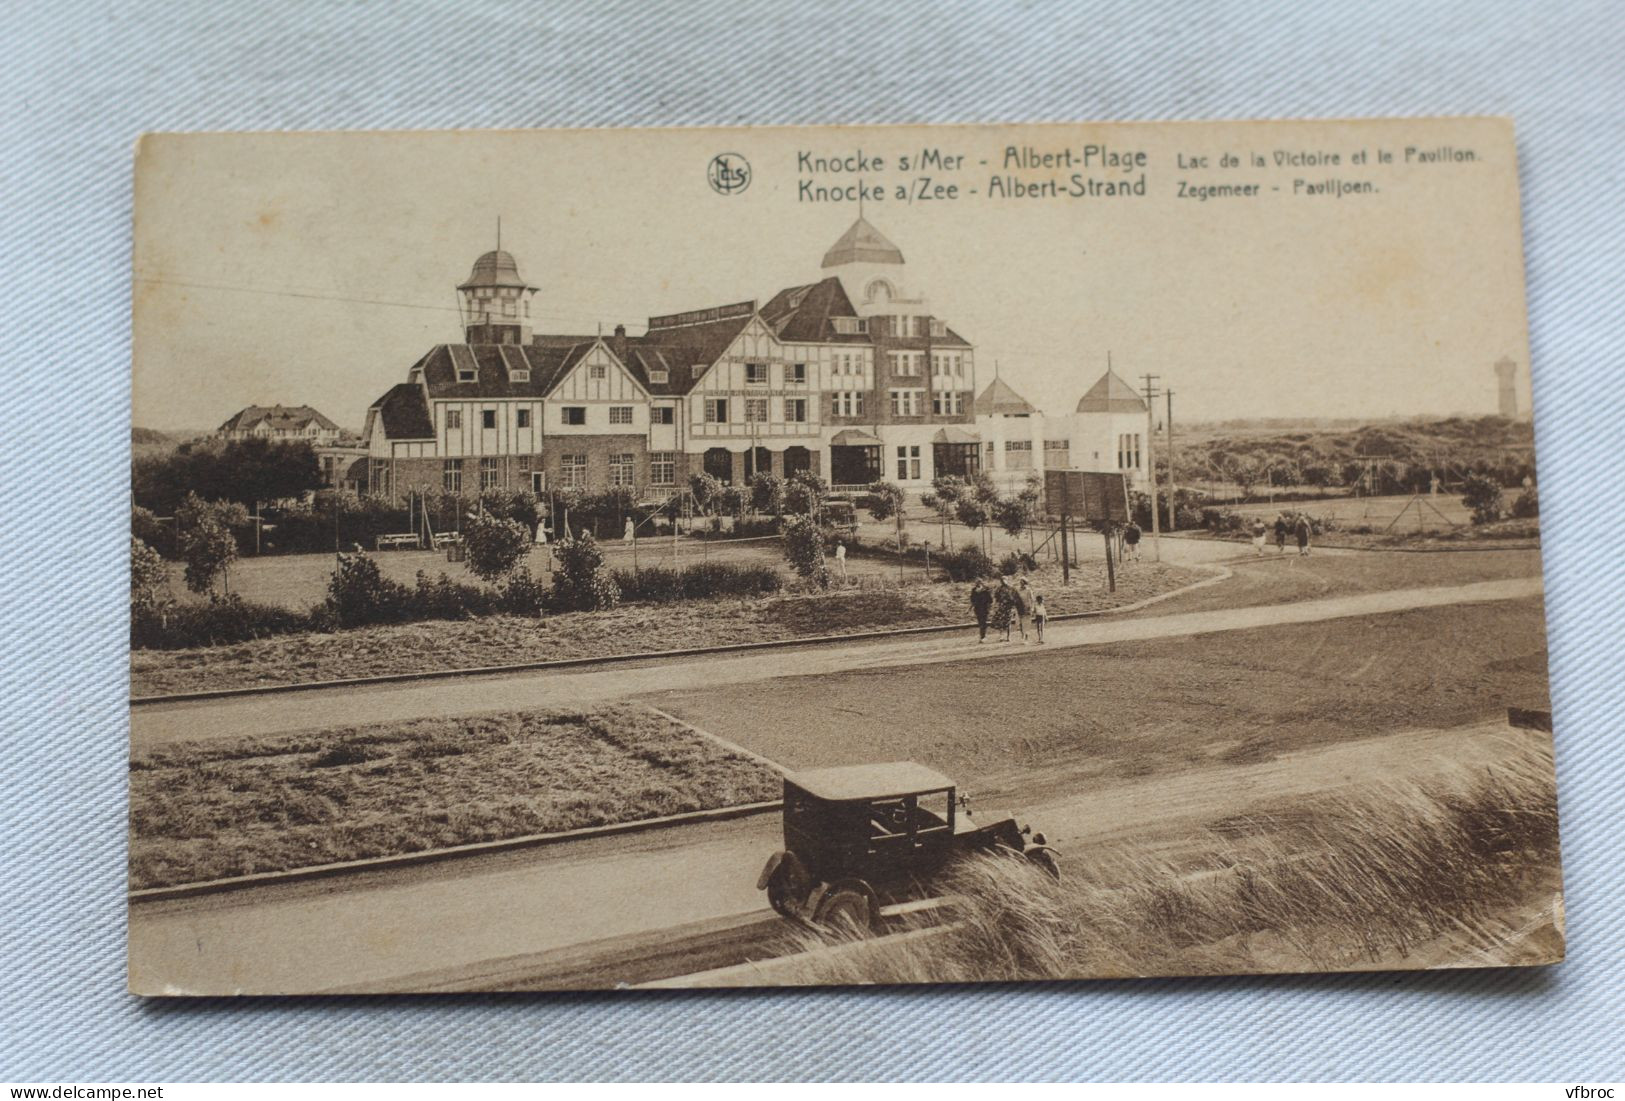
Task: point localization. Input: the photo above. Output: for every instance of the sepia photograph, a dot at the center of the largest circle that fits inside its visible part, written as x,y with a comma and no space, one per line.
803,556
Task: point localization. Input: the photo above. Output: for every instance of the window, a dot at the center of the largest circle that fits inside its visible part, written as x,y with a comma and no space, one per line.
1018,454
756,409
521,374
948,402
573,414
716,410
796,374
662,414
697,370
795,410
659,374
451,475
378,477
662,468
908,463
756,374
851,326
509,309
848,403
906,403
939,328
597,371
1128,451
490,476
573,471
620,414
454,419
467,374
488,418
522,418
621,468
905,363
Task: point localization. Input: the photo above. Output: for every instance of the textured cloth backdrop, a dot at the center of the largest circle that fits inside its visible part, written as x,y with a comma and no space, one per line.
82,79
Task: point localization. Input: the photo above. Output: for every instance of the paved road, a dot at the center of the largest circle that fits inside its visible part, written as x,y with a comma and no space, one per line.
156,724
506,920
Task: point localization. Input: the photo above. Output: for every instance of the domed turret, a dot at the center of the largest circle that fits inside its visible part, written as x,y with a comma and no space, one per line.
496,301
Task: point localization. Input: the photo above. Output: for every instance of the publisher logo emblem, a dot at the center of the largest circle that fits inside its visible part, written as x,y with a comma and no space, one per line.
729,173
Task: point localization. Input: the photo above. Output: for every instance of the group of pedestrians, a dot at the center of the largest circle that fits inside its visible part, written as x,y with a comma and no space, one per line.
1008,606
1298,527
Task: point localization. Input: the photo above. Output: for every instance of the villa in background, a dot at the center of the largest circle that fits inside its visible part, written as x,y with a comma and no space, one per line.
281,422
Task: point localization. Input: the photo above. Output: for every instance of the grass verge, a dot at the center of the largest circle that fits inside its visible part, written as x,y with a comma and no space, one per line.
631,628
218,808
1432,872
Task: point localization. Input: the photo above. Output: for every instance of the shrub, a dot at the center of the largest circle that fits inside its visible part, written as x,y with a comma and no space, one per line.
705,488
221,621
1527,504
804,493
970,511
359,593
885,499
522,594
767,492
581,582
205,540
145,526
1483,495
440,597
149,577
966,564
804,549
1220,520
495,546
1014,514
1017,562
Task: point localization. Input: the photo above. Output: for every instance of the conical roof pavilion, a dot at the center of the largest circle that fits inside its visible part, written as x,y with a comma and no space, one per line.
1111,395
1000,400
862,243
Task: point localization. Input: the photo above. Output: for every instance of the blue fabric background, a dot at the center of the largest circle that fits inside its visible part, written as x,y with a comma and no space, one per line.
82,79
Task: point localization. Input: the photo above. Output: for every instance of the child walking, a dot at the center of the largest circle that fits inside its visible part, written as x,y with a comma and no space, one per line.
1040,613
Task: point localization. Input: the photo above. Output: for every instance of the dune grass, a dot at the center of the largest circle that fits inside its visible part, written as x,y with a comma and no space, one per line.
1435,872
228,807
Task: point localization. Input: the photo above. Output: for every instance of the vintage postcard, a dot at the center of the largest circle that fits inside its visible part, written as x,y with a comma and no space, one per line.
750,557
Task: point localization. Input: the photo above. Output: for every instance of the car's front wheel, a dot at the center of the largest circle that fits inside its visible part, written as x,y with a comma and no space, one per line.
845,909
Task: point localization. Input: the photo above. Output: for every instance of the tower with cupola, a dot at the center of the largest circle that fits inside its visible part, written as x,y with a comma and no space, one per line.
495,301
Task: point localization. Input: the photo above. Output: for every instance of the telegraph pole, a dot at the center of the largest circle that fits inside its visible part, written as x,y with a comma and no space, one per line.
1173,498
1151,395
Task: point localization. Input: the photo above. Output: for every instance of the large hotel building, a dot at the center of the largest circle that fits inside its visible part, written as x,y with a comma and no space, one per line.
850,376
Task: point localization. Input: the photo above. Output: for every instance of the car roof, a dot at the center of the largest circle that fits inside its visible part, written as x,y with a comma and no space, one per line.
869,781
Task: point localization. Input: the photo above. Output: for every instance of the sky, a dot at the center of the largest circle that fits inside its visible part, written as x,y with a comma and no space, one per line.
317,268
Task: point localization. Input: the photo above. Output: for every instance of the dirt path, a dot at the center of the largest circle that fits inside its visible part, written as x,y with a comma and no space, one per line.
156,724
379,929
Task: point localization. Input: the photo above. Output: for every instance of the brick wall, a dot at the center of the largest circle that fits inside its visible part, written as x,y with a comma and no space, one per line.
598,449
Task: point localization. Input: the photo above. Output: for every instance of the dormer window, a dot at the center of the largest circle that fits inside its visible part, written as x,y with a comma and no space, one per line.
467,374
659,375
850,326
520,375
698,369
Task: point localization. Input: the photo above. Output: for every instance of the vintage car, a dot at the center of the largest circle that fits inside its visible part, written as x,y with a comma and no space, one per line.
860,837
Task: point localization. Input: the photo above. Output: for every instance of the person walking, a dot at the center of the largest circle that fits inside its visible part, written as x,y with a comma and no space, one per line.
1024,605
1258,532
840,559
1131,541
1004,607
1280,533
1040,614
629,534
1303,531
981,603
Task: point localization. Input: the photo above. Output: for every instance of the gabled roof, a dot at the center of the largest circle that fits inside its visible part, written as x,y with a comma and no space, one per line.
404,414
802,314
999,400
679,349
1111,395
862,243
495,367
291,417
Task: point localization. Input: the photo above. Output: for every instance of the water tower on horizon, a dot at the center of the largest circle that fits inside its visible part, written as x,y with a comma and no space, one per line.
1506,375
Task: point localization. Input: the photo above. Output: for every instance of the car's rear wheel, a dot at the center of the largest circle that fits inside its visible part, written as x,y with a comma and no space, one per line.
1045,860
845,909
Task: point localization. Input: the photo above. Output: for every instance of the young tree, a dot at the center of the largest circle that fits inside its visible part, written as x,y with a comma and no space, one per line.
971,512
946,489
804,493
494,545
1014,514
581,581
767,493
207,544
886,503
804,549
149,576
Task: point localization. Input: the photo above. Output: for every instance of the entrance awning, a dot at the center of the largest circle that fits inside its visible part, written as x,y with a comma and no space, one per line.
955,435
854,437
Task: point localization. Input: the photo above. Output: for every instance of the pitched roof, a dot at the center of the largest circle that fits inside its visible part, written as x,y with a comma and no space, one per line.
999,400
803,313
404,413
277,416
862,242
1111,395
679,349
496,368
